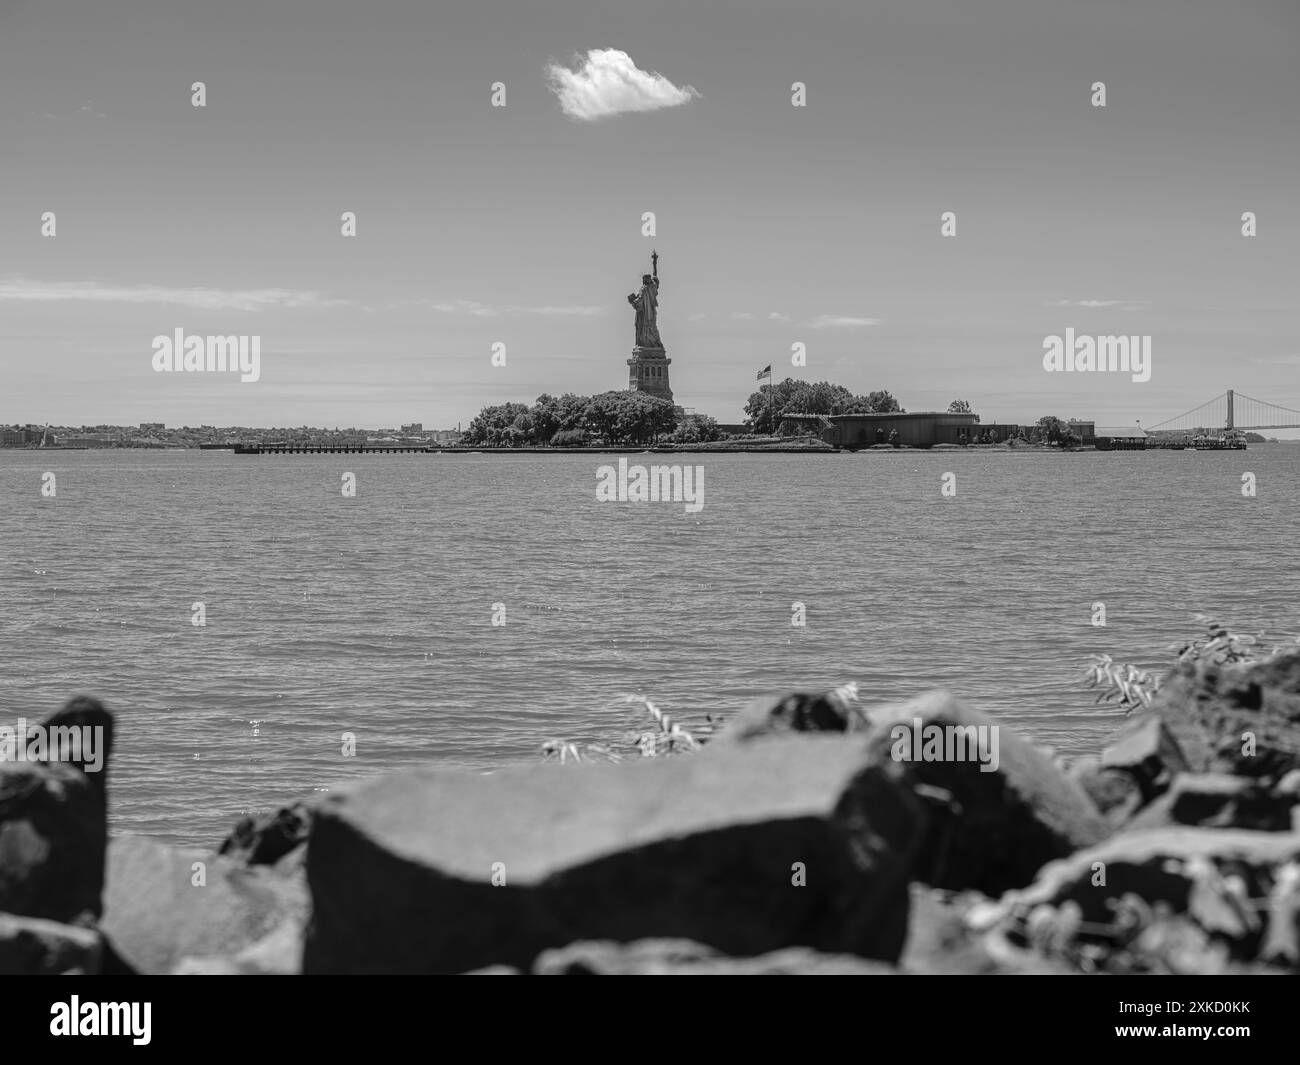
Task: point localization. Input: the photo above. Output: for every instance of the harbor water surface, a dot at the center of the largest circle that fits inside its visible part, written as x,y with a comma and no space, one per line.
374,615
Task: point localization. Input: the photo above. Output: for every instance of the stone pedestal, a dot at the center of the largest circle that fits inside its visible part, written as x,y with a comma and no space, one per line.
648,372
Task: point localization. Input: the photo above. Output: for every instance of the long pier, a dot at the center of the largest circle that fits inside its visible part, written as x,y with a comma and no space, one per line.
434,449
331,449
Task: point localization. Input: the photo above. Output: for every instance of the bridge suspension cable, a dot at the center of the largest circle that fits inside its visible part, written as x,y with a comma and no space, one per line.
1251,413
1232,410
1213,413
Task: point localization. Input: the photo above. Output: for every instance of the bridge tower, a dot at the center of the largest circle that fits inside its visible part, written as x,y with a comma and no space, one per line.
1230,408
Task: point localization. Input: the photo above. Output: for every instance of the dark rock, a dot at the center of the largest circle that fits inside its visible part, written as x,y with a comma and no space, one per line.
1173,899
156,912
83,712
1115,793
53,827
1146,749
777,715
702,848
33,946
266,839
1218,800
683,957
1242,719
989,830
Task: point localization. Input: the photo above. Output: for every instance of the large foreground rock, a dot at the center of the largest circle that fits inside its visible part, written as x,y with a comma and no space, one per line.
990,831
156,911
709,849
1241,719
53,828
33,946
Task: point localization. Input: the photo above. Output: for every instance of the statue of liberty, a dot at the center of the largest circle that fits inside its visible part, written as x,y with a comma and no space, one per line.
646,303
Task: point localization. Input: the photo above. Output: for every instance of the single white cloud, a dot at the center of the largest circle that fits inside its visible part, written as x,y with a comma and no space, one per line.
841,321
777,316
698,316
608,83
741,316
208,299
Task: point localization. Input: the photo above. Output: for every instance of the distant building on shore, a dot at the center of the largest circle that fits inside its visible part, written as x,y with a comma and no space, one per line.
1120,438
25,436
1086,431
917,429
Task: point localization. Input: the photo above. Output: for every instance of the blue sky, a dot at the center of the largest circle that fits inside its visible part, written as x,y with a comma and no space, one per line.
522,225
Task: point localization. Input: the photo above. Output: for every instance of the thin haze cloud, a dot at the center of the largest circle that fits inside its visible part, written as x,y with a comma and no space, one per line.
482,310
470,307
580,312
1097,303
211,299
840,321
608,83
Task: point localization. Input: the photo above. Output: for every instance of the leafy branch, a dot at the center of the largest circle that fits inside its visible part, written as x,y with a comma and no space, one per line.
1133,688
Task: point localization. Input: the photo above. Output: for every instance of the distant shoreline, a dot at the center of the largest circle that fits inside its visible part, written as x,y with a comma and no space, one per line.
717,448
800,446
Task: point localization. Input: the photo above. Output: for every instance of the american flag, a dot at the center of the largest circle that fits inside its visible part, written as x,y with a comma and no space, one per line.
766,371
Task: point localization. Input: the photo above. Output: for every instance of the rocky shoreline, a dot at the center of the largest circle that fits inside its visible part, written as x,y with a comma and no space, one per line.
797,840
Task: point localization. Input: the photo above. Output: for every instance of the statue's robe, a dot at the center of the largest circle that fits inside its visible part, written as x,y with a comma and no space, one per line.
647,317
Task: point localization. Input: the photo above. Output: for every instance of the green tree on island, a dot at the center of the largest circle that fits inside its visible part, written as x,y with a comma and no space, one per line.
630,417
766,407
959,406
1049,429
696,429
611,417
493,426
567,414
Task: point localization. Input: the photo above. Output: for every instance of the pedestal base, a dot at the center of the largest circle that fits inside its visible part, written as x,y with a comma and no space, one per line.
648,372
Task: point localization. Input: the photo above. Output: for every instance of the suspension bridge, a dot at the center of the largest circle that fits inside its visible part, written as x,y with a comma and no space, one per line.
1231,411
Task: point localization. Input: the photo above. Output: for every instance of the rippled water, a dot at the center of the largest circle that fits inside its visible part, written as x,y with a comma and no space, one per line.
373,614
